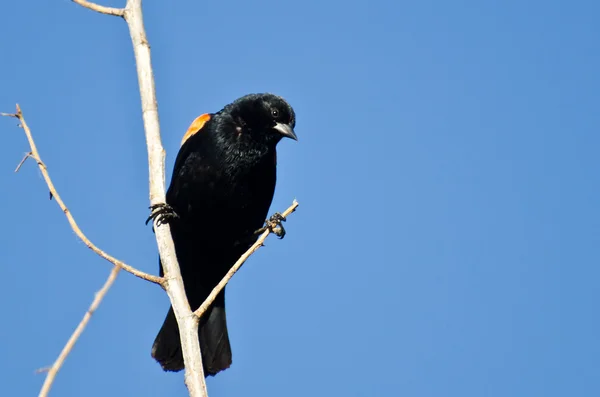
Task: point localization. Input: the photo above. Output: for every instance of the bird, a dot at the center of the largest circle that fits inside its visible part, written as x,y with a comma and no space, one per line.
221,188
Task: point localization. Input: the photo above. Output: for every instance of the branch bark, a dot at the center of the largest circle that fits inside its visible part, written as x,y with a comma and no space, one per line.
187,322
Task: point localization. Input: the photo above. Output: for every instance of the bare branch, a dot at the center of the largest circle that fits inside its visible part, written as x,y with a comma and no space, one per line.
173,282
213,295
117,12
53,193
187,322
27,155
53,370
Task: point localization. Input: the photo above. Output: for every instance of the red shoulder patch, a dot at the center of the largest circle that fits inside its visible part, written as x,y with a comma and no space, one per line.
196,126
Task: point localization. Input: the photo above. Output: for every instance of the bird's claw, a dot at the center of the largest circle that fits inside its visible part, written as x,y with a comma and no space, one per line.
161,213
275,226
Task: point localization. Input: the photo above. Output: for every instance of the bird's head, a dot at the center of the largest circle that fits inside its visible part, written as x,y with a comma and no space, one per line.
263,118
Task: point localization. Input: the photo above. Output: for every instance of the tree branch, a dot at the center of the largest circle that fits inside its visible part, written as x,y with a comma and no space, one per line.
28,155
213,295
77,333
173,282
34,154
117,12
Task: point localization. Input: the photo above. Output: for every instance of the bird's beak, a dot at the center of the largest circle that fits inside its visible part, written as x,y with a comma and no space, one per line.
286,130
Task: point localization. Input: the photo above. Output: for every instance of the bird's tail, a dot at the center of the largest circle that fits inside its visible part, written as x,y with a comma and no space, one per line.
214,341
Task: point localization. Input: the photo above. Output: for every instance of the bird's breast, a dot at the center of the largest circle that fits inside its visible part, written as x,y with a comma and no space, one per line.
236,200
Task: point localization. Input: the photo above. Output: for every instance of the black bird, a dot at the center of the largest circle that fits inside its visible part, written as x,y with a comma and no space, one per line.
220,193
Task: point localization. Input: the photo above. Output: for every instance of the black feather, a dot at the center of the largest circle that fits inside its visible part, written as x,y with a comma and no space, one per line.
221,190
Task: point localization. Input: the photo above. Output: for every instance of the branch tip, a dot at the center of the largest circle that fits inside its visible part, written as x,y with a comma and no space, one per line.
53,370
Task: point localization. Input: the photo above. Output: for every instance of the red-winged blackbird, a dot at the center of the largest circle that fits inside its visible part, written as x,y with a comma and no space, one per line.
221,190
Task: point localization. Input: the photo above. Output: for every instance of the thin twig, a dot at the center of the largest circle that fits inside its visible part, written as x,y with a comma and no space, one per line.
213,295
28,155
117,12
36,156
77,333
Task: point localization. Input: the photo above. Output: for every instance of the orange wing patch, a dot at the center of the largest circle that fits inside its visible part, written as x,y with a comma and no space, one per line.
196,126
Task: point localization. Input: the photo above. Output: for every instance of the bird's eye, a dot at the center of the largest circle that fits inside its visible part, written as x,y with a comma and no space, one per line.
274,113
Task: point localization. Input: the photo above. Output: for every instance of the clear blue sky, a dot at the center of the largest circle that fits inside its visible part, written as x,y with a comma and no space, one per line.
446,242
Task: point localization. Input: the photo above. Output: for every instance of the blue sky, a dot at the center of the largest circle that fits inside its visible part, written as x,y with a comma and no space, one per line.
446,242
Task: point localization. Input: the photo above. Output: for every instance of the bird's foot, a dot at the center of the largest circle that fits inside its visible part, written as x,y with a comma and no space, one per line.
274,225
162,214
